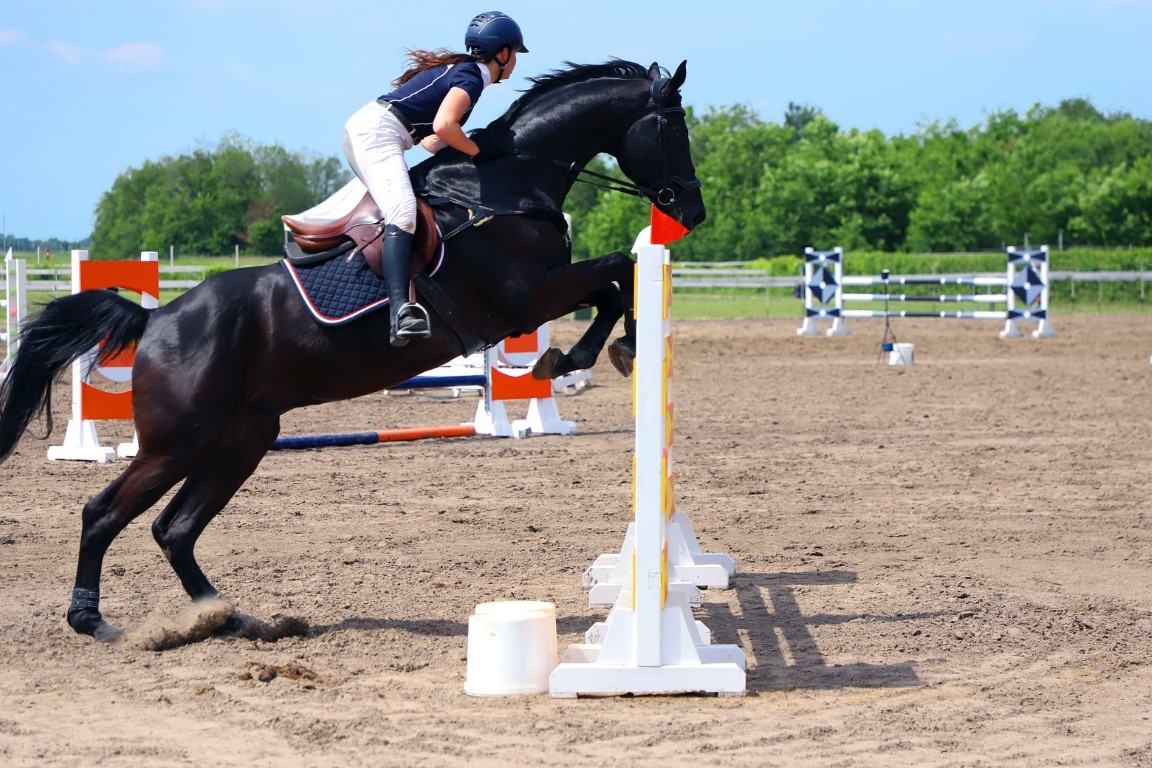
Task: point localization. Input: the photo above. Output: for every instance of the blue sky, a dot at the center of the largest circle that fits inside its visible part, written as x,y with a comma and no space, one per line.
91,88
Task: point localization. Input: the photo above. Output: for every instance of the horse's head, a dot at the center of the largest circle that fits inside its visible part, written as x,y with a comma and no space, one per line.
654,152
567,118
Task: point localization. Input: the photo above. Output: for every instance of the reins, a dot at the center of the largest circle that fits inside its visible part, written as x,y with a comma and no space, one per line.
616,185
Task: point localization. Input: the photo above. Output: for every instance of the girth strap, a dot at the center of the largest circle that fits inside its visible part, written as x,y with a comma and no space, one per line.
438,298
440,301
479,215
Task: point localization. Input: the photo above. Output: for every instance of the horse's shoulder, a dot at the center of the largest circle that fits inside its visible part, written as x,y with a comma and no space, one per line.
445,170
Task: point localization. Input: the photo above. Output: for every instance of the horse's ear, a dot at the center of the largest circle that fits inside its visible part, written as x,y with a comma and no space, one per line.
670,85
654,72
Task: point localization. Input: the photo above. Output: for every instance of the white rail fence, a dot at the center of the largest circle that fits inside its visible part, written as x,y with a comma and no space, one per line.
732,274
696,276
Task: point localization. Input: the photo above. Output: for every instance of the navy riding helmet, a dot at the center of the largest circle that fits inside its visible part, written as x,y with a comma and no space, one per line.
491,31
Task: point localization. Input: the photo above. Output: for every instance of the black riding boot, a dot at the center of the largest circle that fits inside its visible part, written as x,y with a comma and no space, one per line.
409,320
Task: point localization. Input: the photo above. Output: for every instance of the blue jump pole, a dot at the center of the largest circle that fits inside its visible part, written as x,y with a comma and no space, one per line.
452,381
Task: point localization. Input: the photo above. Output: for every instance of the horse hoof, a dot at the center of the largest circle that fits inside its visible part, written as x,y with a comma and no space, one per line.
545,367
622,356
106,633
233,625
90,622
237,624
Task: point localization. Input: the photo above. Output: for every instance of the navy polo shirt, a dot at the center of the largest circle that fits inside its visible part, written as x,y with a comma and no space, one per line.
419,99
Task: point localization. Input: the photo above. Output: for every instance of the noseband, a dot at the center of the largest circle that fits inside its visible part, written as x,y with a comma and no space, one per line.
670,187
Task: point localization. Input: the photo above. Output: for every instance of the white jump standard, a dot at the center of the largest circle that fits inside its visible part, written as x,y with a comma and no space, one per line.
1025,293
14,305
650,643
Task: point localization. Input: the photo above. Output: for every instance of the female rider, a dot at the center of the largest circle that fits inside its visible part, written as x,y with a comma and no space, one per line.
430,103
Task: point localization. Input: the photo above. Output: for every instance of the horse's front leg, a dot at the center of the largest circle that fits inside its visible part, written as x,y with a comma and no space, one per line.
609,307
588,282
622,353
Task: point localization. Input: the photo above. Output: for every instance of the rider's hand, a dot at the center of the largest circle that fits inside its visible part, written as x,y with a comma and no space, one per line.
433,143
488,149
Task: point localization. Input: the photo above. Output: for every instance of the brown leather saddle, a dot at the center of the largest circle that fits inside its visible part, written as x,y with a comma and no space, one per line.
352,215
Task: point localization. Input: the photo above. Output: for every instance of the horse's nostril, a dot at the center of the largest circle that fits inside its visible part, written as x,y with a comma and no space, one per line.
699,217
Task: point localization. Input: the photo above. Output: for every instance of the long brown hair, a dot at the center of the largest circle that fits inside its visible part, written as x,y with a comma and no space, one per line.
420,60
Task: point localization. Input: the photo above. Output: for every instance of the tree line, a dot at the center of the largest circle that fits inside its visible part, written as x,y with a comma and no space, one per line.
50,246
1066,174
1054,174
213,199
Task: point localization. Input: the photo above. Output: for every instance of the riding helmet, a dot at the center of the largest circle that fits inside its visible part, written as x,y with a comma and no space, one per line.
491,31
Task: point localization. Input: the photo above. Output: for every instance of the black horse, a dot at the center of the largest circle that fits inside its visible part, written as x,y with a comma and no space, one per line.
217,367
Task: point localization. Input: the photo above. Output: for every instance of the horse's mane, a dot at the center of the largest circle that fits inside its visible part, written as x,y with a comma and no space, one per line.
542,85
575,73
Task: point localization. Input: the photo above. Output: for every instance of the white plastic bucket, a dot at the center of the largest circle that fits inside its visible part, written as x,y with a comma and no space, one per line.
512,648
902,354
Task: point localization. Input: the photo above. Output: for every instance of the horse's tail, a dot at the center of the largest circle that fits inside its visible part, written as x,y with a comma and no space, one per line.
66,329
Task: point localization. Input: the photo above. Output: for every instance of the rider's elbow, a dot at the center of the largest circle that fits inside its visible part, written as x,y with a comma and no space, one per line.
442,126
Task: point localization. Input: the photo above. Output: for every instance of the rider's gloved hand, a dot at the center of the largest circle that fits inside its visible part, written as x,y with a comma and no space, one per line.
489,148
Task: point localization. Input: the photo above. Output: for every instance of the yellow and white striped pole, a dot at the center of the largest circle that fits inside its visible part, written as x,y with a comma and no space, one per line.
651,404
650,642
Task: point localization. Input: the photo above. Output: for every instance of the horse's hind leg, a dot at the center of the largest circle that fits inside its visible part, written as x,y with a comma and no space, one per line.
107,514
205,493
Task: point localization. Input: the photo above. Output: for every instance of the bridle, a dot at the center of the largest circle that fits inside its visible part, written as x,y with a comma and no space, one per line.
671,186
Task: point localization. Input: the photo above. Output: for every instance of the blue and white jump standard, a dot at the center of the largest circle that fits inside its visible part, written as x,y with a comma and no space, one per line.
1025,293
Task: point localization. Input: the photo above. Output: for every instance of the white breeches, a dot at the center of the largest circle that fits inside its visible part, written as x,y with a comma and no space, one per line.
374,144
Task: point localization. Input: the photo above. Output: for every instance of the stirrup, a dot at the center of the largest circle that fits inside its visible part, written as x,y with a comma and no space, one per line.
412,322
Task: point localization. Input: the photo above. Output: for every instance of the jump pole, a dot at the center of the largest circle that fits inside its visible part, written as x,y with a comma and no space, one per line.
498,382
372,438
650,643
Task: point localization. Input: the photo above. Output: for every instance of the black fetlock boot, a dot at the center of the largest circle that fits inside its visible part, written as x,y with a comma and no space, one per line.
409,320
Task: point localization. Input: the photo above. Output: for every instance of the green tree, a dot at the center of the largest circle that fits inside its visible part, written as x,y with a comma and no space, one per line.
1117,209
121,212
798,116
582,199
732,148
770,188
950,217
835,188
212,200
612,225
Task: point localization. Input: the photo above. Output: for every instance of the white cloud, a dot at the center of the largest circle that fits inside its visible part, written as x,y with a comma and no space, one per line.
12,37
133,56
136,55
69,52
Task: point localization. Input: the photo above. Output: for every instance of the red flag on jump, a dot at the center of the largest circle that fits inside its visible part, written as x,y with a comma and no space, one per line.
665,229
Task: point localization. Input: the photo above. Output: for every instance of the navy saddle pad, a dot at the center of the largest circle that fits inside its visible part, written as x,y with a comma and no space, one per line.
339,290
